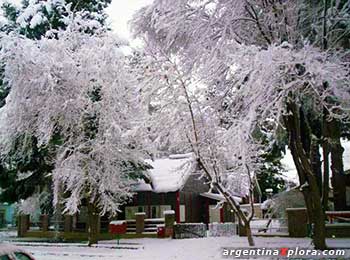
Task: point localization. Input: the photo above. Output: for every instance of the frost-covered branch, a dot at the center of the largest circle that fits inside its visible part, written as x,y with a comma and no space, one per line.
76,86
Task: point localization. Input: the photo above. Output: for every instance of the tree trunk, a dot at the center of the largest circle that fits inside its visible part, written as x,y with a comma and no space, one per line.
325,189
93,224
319,236
325,149
295,122
319,228
337,167
234,206
249,234
316,164
241,216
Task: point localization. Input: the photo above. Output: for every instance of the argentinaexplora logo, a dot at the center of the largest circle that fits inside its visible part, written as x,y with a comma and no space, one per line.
283,252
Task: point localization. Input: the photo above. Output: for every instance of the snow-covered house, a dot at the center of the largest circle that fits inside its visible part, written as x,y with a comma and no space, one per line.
173,183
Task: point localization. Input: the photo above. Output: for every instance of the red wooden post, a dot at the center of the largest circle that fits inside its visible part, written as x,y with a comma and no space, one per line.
222,215
186,207
149,205
207,209
177,207
190,206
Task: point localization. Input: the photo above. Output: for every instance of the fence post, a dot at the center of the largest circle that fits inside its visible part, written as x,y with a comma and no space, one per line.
140,222
67,223
44,222
297,222
23,225
169,219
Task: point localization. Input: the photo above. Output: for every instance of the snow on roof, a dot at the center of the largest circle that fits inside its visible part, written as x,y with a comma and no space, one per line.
168,174
219,197
117,222
289,166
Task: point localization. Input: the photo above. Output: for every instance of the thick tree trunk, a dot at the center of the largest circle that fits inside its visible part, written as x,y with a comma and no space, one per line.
319,236
325,189
249,234
318,220
93,224
337,167
308,181
316,164
325,149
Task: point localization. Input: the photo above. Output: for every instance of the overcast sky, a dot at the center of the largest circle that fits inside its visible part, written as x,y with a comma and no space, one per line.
121,11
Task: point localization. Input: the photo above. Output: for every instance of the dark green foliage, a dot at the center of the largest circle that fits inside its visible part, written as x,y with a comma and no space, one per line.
4,89
26,157
91,10
10,12
338,23
270,176
91,6
137,171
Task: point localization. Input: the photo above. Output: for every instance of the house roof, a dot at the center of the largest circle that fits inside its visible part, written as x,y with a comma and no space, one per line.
219,197
168,174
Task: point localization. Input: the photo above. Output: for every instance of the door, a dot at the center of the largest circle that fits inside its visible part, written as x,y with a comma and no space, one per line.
214,214
2,219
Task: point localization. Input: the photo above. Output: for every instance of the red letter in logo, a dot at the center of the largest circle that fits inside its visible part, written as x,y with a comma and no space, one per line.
284,251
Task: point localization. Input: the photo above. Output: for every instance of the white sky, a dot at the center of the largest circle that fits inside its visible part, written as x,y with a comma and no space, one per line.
121,11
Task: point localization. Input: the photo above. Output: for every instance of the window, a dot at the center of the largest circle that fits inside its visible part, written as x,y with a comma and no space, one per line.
182,213
130,211
163,208
4,257
154,212
22,256
214,214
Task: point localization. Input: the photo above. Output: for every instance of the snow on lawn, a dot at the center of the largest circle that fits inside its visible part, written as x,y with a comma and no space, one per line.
162,249
5,234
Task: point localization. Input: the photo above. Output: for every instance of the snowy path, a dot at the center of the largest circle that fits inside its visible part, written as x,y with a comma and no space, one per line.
160,249
5,235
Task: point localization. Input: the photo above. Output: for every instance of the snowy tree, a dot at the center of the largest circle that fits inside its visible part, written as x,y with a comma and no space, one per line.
75,85
36,19
180,119
257,67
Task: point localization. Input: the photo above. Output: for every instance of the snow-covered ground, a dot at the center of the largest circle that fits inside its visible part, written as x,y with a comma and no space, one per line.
5,234
162,249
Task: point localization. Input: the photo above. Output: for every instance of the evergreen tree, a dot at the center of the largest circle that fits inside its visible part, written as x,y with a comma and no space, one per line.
34,19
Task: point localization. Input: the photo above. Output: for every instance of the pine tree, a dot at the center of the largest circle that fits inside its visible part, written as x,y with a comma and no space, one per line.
34,19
